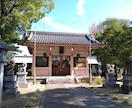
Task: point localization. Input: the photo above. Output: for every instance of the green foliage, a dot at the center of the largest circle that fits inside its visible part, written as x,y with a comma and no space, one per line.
117,37
16,16
106,94
29,70
32,98
9,55
28,104
36,93
114,98
125,101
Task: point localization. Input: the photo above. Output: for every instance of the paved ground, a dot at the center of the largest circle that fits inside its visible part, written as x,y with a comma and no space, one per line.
73,96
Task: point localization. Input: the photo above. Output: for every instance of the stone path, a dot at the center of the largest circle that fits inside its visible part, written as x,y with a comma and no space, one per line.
73,96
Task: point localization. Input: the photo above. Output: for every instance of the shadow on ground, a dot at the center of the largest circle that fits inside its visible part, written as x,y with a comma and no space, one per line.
75,97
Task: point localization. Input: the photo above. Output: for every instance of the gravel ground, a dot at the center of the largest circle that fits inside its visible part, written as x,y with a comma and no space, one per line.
26,95
112,93
30,97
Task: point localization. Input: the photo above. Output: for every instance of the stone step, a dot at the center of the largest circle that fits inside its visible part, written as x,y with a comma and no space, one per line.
59,80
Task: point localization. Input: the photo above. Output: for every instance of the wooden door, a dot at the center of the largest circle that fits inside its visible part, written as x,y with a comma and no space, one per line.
60,65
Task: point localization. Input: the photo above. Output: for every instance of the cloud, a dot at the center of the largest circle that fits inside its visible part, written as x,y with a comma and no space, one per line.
50,21
80,9
73,18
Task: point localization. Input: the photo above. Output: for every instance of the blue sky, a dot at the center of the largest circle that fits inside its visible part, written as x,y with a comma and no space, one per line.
79,15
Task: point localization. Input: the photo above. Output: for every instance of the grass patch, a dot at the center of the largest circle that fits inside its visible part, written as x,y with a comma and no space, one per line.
92,87
28,98
36,93
106,94
125,101
98,91
29,104
98,80
114,94
114,98
95,89
32,98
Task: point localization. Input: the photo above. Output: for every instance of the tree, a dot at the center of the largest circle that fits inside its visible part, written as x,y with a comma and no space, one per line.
125,54
115,33
16,16
93,29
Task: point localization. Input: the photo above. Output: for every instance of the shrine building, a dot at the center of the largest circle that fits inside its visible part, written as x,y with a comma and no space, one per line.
60,53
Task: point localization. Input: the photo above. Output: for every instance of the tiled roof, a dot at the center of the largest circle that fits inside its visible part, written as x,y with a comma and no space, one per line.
63,38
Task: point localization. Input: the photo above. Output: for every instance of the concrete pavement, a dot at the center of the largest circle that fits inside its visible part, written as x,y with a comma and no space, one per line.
73,96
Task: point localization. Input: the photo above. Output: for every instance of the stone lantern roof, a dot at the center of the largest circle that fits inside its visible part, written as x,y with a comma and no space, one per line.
4,46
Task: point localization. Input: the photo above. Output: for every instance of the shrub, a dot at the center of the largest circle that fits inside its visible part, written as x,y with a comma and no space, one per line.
125,101
115,98
98,80
28,104
36,93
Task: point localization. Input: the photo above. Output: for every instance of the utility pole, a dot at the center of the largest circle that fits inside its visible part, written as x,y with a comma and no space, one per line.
90,72
34,74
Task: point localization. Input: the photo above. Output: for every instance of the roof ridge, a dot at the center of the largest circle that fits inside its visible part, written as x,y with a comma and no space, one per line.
52,32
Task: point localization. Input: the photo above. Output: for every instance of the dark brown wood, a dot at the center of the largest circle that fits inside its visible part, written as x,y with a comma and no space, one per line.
62,68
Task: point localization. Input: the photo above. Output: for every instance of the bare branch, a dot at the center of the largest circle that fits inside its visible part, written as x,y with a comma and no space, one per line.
13,6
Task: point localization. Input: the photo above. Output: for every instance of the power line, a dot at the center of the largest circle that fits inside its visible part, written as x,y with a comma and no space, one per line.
125,6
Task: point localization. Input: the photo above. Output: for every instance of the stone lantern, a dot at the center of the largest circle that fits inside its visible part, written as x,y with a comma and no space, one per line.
22,74
127,79
3,50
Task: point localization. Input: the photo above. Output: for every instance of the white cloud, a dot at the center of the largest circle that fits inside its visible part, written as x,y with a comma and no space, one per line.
57,26
73,18
80,9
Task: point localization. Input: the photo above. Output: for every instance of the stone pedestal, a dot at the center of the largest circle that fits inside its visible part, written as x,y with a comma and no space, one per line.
127,84
10,85
111,80
22,82
127,79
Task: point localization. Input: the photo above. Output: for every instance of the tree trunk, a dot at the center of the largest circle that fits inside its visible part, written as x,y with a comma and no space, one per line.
104,70
115,72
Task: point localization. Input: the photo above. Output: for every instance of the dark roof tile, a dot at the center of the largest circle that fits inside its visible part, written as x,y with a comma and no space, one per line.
61,38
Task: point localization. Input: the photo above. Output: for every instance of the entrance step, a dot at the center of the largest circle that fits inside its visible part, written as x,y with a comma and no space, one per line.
61,80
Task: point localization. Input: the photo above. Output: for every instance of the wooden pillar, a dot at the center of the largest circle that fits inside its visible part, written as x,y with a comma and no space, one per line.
87,65
50,65
71,66
72,62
